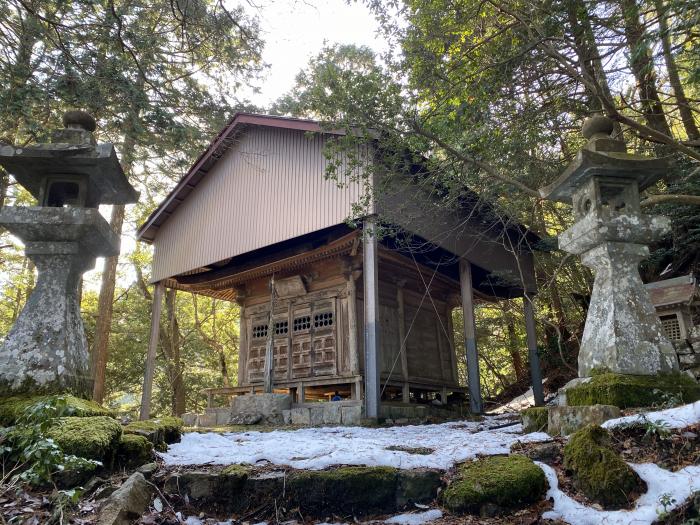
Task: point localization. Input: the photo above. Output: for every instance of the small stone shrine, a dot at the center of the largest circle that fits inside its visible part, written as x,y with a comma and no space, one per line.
46,350
622,334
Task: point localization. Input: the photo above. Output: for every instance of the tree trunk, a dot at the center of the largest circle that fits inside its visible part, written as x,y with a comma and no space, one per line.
590,62
105,309
691,128
642,65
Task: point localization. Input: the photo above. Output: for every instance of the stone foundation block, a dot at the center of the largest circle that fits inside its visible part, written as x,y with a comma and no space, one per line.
316,416
189,419
689,360
332,414
535,419
287,417
206,420
567,420
351,415
301,416
266,408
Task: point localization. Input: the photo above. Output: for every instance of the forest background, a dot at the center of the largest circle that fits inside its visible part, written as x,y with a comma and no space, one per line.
490,95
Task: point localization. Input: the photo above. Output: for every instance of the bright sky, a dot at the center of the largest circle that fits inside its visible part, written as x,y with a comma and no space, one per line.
294,31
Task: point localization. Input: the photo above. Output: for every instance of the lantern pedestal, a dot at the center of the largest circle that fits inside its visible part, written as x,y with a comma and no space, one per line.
46,350
622,334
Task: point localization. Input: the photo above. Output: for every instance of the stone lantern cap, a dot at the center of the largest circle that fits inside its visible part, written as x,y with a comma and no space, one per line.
72,153
605,157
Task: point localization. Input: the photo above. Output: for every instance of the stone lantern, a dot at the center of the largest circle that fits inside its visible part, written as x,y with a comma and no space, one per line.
622,332
46,350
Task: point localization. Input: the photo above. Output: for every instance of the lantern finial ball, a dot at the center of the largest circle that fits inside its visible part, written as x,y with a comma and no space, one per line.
597,124
76,118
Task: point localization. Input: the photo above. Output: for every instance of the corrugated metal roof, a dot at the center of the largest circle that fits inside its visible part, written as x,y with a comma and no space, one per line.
680,290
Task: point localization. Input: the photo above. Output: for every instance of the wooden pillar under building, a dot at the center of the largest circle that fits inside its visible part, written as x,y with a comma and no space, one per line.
405,390
371,302
150,366
352,322
242,337
451,340
465,281
534,358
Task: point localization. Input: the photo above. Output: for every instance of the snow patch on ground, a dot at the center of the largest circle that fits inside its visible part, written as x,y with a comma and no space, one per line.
679,417
417,518
318,448
679,485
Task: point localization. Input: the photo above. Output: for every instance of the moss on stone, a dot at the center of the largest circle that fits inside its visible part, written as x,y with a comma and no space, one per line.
235,470
597,470
160,431
95,437
11,408
535,419
497,482
134,451
355,490
627,391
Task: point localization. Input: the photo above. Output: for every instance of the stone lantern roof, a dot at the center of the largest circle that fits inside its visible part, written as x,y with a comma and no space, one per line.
73,152
604,156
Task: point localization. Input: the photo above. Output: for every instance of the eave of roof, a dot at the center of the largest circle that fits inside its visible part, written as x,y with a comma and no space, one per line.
216,149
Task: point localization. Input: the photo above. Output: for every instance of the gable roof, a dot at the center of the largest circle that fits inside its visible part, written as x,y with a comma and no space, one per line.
216,149
680,290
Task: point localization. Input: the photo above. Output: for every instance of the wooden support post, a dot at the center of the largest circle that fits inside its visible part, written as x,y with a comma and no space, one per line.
357,390
150,367
270,346
352,322
371,302
465,281
534,358
242,337
405,397
451,341
301,393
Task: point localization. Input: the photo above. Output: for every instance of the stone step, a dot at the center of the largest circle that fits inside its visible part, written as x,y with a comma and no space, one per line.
343,491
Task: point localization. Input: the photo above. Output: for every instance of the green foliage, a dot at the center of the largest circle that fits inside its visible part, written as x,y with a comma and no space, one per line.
627,391
29,451
598,471
507,482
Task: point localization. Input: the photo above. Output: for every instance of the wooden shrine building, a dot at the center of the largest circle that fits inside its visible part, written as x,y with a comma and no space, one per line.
364,315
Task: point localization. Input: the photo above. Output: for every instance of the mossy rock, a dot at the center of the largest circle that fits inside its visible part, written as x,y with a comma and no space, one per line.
535,419
94,437
627,391
597,470
133,451
345,490
160,431
11,408
495,484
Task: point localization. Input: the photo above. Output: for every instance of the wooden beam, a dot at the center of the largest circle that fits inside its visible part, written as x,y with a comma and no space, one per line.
150,366
465,280
534,358
371,302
